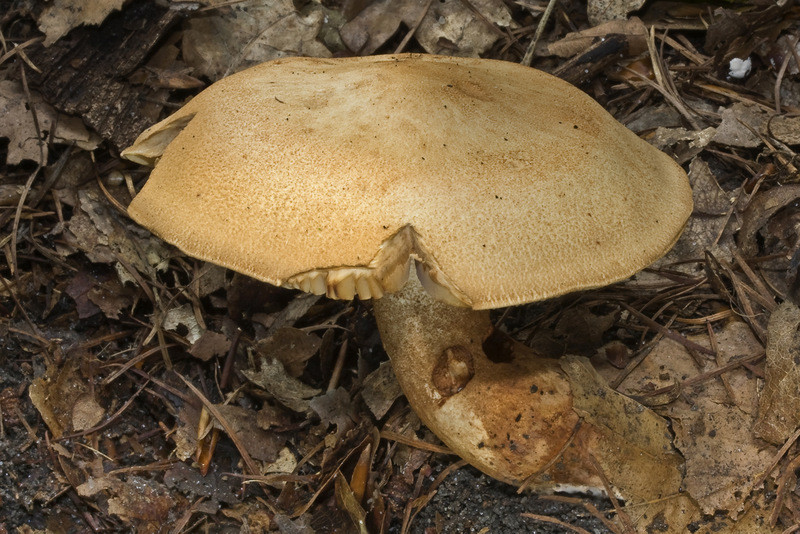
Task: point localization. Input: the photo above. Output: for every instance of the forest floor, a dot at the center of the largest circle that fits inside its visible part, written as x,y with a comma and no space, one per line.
115,348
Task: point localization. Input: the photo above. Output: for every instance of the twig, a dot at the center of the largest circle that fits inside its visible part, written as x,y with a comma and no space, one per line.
746,491
675,336
17,48
554,521
779,77
132,363
18,304
29,183
420,502
483,17
672,99
627,523
603,519
707,375
528,57
248,460
413,29
300,510
786,483
333,383
413,442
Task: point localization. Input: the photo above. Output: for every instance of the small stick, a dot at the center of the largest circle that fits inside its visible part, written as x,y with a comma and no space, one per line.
413,29
528,57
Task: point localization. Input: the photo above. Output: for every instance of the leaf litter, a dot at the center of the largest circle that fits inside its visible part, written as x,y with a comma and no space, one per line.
121,359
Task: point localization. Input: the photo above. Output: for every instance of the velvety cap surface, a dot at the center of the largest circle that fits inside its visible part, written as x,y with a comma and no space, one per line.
508,185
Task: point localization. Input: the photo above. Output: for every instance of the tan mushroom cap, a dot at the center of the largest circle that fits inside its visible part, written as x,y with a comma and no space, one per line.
506,184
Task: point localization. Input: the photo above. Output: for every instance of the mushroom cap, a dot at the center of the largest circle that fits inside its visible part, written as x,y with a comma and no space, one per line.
506,185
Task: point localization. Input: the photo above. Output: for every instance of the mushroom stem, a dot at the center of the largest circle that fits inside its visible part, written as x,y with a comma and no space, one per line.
519,417
489,398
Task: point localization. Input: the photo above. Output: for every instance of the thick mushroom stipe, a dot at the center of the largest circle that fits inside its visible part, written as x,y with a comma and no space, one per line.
507,418
518,417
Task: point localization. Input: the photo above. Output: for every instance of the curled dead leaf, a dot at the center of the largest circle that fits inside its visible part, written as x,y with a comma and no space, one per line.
273,378
779,404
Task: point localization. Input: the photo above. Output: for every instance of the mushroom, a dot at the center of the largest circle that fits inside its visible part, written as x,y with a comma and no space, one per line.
500,185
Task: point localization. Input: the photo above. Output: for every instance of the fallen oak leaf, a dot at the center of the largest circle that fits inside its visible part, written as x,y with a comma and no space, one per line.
18,125
292,346
335,407
58,18
248,460
273,378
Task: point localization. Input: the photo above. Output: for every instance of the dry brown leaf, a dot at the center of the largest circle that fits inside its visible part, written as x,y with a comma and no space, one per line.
105,237
709,198
61,16
781,48
713,425
146,503
94,292
664,138
734,131
78,289
182,321
110,296
761,208
347,501
755,520
294,310
381,390
209,345
576,42
54,395
601,11
785,129
246,33
779,405
273,378
790,93
261,444
377,23
708,219
580,329
18,125
300,525
335,408
185,436
10,194
284,463
272,417
293,347
214,487
449,26
252,513
709,228
210,279
86,412
652,117
640,465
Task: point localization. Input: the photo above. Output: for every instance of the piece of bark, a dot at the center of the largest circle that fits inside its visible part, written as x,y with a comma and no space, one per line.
84,73
594,59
